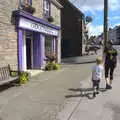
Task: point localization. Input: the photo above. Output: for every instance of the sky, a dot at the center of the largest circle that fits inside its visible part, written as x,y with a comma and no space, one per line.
94,8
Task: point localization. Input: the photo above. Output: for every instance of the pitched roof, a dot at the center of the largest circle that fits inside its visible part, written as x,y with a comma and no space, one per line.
74,7
62,1
57,3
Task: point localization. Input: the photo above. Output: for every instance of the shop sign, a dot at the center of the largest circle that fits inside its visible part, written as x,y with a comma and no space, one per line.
28,24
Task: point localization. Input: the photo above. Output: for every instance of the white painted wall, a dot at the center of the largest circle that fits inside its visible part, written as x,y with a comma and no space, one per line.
24,53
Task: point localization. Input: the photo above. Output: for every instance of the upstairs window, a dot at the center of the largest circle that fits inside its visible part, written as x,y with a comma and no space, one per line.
46,8
27,2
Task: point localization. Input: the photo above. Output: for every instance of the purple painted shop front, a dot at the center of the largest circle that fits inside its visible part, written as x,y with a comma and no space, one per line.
39,29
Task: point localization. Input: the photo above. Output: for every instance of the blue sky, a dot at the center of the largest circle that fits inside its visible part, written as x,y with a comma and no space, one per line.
94,8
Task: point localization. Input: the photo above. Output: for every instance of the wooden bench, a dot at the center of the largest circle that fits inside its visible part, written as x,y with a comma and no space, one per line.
5,76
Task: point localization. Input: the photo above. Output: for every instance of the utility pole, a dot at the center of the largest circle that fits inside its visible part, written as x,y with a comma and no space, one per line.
105,22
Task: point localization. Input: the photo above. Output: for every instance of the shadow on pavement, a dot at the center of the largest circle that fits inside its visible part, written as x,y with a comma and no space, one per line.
84,92
72,62
7,86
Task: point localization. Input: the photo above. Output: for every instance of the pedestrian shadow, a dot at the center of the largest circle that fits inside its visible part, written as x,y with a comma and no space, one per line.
83,92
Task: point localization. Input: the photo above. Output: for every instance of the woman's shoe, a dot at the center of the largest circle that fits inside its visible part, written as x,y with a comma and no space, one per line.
108,86
94,94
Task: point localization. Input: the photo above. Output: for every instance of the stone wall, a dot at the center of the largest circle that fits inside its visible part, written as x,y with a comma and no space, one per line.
38,5
8,35
55,13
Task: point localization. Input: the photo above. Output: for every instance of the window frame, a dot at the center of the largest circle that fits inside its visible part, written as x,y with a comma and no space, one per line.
24,2
46,3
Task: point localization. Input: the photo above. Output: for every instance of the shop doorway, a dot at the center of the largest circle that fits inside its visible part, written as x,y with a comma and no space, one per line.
29,50
49,45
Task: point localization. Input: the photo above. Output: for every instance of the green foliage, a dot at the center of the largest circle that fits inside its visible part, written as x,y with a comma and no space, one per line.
52,66
23,77
49,66
88,19
14,73
56,66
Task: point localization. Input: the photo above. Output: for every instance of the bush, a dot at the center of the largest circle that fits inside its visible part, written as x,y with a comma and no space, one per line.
56,66
52,66
23,77
49,66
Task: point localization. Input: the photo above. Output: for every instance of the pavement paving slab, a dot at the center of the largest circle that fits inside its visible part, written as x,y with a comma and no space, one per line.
105,106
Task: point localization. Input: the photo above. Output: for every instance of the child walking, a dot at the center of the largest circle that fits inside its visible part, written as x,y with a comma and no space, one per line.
97,75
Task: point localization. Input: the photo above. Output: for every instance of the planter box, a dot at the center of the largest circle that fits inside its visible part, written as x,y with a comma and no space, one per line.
50,19
28,8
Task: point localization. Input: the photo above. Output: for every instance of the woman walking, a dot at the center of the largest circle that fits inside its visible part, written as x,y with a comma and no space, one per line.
110,63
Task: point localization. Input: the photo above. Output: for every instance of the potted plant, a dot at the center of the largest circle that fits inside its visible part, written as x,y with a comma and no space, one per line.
52,62
28,8
50,19
24,77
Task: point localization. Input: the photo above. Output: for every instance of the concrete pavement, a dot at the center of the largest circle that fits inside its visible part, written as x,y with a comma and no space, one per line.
82,105
44,96
61,95
82,59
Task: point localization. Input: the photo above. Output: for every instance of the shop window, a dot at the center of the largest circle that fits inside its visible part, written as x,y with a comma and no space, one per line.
48,45
46,8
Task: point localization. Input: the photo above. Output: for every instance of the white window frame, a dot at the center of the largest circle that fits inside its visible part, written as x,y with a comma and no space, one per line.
23,2
46,8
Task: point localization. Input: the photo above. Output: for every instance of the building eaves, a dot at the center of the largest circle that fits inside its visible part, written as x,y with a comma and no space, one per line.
64,2
75,8
57,3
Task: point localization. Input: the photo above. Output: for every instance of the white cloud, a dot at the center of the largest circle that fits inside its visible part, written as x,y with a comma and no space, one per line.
113,25
95,29
92,5
98,5
87,8
117,24
114,5
114,18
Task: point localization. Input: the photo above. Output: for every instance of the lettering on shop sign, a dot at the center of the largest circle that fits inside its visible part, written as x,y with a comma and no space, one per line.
28,24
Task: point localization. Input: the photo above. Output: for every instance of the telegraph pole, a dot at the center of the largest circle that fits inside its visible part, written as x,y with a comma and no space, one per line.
105,22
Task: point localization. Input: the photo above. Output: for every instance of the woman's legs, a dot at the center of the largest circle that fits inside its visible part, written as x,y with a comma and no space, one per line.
106,74
108,82
111,74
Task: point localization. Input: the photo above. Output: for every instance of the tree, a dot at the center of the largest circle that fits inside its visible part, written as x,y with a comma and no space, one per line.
88,19
92,38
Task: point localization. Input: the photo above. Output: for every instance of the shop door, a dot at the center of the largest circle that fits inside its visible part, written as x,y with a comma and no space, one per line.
28,53
48,45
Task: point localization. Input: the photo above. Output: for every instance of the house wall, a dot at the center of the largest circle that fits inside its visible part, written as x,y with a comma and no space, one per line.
8,32
56,14
71,32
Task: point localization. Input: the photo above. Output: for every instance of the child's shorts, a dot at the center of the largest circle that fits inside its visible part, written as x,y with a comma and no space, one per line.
96,82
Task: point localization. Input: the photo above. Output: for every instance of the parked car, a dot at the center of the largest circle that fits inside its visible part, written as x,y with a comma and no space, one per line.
91,48
96,46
